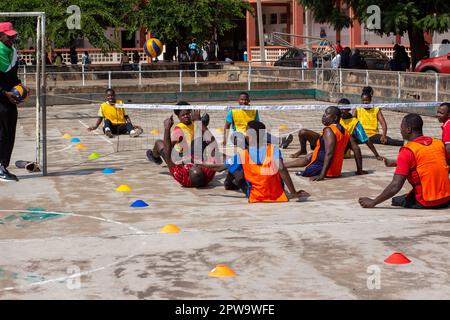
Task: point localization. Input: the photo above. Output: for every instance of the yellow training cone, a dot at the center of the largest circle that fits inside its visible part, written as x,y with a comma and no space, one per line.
219,129
66,135
282,127
155,131
170,228
221,270
123,188
80,146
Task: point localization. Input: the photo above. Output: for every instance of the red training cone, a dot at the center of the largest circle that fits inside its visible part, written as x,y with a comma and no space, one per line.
397,258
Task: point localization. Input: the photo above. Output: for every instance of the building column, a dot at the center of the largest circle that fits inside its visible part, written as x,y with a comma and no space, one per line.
355,32
297,19
251,33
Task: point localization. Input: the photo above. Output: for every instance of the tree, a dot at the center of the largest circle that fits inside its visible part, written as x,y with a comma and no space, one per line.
95,15
397,17
181,21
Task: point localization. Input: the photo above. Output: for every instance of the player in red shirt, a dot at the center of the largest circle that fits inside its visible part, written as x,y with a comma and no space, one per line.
443,115
187,174
423,162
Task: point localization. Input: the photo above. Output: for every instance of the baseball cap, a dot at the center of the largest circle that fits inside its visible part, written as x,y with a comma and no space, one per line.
7,28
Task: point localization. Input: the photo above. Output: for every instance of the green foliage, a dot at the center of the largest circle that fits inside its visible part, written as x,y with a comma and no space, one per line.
181,21
397,17
95,14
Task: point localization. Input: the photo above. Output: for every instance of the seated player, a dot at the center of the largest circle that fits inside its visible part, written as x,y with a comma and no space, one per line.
259,169
369,119
183,134
116,120
357,134
422,161
187,174
443,115
328,156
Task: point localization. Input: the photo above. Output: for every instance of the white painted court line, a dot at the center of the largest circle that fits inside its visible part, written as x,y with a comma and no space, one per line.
95,132
64,149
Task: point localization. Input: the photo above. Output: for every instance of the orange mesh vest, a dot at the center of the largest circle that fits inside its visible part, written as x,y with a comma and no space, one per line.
265,179
342,138
433,183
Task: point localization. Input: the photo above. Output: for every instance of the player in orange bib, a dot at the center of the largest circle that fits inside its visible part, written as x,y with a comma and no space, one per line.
422,161
328,156
259,168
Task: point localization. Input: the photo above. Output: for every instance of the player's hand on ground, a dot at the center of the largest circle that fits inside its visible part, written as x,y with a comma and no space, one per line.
91,128
11,97
301,195
168,123
366,202
317,178
383,139
389,162
362,172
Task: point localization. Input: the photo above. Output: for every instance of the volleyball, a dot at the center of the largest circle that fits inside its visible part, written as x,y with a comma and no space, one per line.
21,92
153,47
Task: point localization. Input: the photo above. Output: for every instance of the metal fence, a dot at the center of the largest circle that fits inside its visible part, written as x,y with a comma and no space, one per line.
191,77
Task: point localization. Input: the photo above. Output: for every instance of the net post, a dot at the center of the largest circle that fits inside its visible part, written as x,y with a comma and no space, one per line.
43,98
303,74
195,68
25,74
181,80
340,80
367,78
38,90
436,75
249,77
399,85
140,74
82,74
109,79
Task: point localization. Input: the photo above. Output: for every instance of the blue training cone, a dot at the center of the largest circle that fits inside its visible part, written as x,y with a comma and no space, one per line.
139,204
74,140
108,171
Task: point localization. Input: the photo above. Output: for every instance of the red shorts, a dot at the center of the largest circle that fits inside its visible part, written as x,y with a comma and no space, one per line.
180,173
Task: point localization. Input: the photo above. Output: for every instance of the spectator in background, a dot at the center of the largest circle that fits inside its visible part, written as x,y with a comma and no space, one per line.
357,60
58,60
136,60
345,58
85,59
125,61
339,48
73,55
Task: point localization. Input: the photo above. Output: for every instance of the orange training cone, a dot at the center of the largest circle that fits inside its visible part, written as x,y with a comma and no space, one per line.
221,271
170,228
397,258
80,146
155,131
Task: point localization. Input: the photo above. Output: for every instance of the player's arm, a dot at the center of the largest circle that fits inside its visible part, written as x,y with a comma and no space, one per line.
168,147
215,167
9,95
383,124
391,190
226,131
330,144
284,173
358,156
96,125
127,119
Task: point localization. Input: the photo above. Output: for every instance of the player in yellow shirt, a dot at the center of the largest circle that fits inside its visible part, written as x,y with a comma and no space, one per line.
370,118
116,120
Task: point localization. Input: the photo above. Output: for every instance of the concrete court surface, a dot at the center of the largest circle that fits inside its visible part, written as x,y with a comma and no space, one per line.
95,246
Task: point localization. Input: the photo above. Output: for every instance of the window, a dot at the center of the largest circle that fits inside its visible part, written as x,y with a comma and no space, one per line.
273,18
283,18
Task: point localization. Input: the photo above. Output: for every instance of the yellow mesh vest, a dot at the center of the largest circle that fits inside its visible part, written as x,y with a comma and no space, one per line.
349,124
113,114
188,135
369,120
241,118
